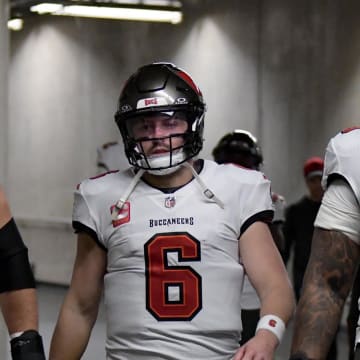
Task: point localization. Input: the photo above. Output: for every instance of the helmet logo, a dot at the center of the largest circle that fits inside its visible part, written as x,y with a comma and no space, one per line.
181,101
125,108
152,101
157,101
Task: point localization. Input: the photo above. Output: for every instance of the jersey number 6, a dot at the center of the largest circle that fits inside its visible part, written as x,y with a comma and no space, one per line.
173,292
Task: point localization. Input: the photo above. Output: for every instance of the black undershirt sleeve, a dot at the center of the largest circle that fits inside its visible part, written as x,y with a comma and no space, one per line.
15,269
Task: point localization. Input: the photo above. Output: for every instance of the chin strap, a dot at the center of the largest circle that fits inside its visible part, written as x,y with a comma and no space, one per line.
206,191
120,203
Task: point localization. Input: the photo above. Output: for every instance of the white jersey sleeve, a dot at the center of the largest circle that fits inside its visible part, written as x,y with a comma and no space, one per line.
93,202
342,159
81,211
342,162
255,198
340,206
340,211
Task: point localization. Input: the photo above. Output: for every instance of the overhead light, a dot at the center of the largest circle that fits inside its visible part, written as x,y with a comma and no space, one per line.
46,8
103,12
116,11
15,24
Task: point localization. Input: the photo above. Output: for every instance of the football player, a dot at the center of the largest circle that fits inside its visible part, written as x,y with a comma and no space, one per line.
164,240
335,252
18,299
241,147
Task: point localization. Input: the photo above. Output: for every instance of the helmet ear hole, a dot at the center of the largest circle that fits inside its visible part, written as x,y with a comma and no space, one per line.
161,87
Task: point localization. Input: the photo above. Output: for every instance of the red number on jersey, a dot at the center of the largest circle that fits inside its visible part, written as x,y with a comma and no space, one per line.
172,292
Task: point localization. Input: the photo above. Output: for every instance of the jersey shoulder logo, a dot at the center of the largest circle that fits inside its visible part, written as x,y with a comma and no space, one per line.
123,215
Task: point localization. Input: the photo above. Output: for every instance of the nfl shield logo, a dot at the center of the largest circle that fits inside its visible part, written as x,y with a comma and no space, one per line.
170,201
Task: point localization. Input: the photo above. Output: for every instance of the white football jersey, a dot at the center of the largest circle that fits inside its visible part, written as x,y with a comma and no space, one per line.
173,281
342,158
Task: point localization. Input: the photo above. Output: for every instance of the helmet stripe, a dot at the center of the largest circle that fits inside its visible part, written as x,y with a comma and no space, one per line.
189,81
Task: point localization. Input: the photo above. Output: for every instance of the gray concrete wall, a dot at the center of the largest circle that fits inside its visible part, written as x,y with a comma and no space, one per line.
4,60
309,74
287,71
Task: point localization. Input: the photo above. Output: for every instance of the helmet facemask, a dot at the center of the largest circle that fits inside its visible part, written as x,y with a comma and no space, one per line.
177,152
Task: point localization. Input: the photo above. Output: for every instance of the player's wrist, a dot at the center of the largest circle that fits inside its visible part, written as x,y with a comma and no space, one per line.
272,323
268,338
27,345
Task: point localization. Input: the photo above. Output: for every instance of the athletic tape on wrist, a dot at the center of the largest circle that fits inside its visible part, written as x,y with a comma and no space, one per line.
272,323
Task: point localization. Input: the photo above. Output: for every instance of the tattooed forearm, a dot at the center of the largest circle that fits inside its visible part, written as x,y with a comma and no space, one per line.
334,260
327,282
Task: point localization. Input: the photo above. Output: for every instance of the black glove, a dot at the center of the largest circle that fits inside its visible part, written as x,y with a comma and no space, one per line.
27,346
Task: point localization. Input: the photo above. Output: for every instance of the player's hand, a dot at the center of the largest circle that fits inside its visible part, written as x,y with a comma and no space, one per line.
261,347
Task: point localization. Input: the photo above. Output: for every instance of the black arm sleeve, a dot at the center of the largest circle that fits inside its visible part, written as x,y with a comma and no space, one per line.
15,269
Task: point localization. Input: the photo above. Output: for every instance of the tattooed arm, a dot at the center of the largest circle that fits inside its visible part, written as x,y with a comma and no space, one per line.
327,282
